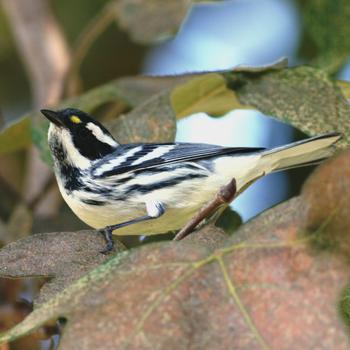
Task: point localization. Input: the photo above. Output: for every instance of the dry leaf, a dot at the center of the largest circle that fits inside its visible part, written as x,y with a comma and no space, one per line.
265,287
63,256
152,121
152,20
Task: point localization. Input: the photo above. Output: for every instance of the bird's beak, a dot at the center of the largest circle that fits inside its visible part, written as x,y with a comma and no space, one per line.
52,116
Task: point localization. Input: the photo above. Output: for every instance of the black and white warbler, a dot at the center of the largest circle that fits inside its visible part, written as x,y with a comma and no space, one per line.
155,188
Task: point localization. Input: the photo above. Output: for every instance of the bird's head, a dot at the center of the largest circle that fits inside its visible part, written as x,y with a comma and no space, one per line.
77,138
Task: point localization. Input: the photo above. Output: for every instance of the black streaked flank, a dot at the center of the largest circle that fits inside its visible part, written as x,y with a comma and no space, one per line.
57,150
71,177
161,184
93,202
156,170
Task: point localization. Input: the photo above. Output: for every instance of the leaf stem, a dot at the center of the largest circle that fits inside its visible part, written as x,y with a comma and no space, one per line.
85,40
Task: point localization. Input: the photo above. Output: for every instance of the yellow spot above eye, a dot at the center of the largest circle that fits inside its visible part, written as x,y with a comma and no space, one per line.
74,119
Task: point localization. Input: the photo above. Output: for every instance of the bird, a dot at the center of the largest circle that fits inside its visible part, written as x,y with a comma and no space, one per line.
154,188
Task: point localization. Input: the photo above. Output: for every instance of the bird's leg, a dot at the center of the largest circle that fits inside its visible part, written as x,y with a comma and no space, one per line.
155,210
225,195
106,232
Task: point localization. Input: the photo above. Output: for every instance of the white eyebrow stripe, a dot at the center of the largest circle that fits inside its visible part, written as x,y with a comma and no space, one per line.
100,135
156,153
115,162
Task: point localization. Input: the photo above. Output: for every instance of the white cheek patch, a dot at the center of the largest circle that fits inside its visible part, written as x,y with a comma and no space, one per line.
65,138
53,131
100,135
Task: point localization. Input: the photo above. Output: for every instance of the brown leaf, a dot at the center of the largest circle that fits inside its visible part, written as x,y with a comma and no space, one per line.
207,92
257,293
19,131
327,203
139,89
20,223
152,20
302,96
152,121
209,237
63,256
264,289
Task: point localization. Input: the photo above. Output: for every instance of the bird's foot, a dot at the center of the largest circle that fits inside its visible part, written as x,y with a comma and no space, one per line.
107,235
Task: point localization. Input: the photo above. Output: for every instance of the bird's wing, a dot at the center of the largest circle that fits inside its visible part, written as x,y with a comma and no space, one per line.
143,156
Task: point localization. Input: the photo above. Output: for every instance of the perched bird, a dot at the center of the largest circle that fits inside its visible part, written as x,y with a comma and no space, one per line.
148,188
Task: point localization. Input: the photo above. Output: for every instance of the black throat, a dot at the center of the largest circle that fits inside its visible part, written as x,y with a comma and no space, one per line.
69,175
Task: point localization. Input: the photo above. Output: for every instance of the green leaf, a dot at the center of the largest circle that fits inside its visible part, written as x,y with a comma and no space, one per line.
345,88
327,23
210,93
304,97
206,93
15,136
152,121
133,91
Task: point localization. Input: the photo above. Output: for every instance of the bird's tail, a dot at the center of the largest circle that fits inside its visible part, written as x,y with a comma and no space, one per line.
301,153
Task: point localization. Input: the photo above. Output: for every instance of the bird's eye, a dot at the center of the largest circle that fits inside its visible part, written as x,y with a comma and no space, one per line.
74,119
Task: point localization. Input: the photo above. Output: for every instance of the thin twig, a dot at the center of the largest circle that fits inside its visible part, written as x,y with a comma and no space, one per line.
85,40
223,196
45,56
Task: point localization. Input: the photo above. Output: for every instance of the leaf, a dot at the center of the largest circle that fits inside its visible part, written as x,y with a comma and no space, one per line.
10,181
151,21
327,23
210,237
302,96
19,224
139,89
15,136
146,22
327,195
211,94
132,90
229,220
121,89
345,88
207,93
266,287
152,121
63,256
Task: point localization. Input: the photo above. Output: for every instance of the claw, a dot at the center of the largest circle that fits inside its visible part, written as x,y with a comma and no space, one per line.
107,235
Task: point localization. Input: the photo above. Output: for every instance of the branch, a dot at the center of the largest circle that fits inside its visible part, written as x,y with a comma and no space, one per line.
45,55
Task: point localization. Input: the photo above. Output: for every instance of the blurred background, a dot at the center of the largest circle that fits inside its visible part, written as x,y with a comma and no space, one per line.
212,36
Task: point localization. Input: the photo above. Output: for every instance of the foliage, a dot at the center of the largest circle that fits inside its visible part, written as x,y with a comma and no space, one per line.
246,289
279,281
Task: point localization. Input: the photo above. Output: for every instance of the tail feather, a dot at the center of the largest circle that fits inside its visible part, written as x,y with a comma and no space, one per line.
301,153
